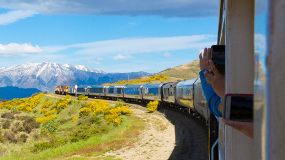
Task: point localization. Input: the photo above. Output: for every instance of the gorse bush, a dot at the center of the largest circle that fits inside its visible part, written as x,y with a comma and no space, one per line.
151,79
24,104
111,115
30,103
82,97
152,106
94,107
62,103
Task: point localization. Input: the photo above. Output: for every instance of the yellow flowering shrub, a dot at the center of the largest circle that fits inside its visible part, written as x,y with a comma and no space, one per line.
68,96
82,97
151,79
111,115
74,119
62,103
43,110
42,120
84,111
152,106
50,112
47,104
30,103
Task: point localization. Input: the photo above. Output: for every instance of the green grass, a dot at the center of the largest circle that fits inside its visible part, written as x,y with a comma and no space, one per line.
116,137
125,134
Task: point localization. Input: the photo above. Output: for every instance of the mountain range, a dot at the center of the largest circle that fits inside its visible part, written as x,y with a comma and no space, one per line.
45,76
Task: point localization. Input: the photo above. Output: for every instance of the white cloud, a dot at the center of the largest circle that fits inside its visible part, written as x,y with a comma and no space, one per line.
120,57
138,45
167,54
13,16
165,8
18,50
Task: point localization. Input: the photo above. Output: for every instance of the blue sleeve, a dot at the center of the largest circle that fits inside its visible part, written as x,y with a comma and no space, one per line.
213,100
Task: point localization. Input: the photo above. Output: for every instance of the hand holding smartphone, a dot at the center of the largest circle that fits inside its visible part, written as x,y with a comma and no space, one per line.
238,107
218,57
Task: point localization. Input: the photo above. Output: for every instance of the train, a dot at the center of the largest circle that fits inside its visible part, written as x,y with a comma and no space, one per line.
186,96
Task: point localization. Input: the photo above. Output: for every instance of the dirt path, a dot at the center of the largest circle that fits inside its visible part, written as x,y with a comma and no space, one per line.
156,142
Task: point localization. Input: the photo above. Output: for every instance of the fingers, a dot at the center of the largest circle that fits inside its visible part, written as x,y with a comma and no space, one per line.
209,54
213,67
200,55
245,127
205,52
209,77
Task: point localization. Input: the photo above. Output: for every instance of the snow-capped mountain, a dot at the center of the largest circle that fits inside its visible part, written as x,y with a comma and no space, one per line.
45,76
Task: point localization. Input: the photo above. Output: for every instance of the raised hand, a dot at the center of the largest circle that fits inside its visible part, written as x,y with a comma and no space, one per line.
215,79
205,58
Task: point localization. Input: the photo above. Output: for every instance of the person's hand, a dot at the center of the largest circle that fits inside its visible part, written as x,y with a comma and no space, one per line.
204,59
244,127
215,79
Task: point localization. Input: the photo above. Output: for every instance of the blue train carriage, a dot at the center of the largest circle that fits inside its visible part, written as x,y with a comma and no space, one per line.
71,90
168,93
133,92
83,89
96,91
114,92
200,102
184,94
152,92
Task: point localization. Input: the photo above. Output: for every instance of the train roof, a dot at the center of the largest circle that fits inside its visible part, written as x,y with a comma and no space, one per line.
153,85
134,86
115,86
187,82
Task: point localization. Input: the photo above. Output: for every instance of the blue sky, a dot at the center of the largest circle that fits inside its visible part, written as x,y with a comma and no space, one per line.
114,36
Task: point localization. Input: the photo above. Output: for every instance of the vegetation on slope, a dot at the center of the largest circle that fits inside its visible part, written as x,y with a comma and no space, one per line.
186,71
44,127
150,79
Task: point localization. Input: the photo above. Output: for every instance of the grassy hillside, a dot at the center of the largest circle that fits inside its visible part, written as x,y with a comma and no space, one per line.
183,72
186,71
48,126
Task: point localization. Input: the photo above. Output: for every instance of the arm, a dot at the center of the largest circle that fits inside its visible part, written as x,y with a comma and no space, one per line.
212,98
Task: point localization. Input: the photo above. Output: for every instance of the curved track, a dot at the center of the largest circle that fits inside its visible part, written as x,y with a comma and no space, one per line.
191,136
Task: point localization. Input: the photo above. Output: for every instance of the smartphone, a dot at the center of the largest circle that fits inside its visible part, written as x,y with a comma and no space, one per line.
218,57
238,107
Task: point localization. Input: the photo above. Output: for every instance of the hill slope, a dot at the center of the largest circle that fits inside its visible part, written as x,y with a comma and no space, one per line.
186,71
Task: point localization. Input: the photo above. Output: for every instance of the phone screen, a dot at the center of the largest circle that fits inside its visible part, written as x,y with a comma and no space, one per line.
241,107
218,57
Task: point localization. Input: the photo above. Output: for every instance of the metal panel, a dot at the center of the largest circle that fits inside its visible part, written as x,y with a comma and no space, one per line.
152,91
82,90
96,90
239,69
274,116
113,91
168,90
133,91
184,93
200,102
